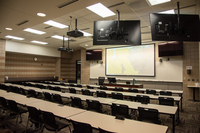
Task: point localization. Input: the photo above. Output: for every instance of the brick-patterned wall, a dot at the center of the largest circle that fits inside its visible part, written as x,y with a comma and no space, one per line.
68,65
2,60
23,65
85,68
190,58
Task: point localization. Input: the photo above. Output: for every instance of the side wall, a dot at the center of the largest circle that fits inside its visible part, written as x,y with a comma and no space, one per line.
2,60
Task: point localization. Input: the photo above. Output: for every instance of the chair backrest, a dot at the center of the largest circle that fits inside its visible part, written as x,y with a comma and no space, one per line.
3,103
12,105
104,131
143,99
62,84
151,91
72,85
47,96
101,80
90,87
80,127
57,88
32,93
57,98
120,110
166,101
149,114
72,90
94,105
86,92
49,121
34,115
101,94
76,102
117,96
22,91
79,85
133,90
119,89
103,87
167,93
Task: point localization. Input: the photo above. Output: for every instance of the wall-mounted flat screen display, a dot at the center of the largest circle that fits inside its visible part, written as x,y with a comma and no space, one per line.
165,27
133,60
114,33
94,54
170,49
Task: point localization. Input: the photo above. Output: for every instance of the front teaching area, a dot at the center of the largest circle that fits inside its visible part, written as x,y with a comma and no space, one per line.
135,70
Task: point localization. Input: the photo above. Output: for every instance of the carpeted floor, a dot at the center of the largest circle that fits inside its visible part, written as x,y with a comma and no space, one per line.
189,121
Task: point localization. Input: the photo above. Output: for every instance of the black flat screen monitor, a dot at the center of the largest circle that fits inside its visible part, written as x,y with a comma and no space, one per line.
165,27
94,54
170,49
112,80
108,33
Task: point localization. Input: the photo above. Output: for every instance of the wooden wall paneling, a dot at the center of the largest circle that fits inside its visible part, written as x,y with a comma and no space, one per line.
2,60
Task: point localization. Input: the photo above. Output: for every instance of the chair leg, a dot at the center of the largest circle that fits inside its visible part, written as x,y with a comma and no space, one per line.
69,129
27,125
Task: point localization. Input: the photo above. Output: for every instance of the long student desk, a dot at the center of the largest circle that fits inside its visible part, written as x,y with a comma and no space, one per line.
95,119
168,110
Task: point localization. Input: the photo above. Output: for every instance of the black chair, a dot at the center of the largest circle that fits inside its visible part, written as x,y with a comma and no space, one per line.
22,91
103,88
86,92
14,109
80,127
143,99
167,93
117,96
151,91
57,98
50,87
78,85
52,124
120,110
3,103
101,94
76,102
62,84
89,87
101,80
72,90
94,105
57,88
119,89
104,131
166,101
47,96
133,90
35,117
32,93
72,85
150,115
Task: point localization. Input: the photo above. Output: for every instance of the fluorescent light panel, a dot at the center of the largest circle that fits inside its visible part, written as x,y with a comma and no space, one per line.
34,31
168,12
55,24
59,37
34,41
41,14
14,37
156,2
101,10
8,28
85,33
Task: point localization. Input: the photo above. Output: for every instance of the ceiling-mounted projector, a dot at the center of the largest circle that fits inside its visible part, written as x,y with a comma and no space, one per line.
69,50
76,32
61,49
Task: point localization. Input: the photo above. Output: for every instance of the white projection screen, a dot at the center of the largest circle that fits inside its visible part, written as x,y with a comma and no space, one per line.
134,60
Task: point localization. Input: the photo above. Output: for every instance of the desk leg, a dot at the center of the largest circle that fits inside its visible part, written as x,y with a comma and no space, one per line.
194,94
178,118
181,95
173,123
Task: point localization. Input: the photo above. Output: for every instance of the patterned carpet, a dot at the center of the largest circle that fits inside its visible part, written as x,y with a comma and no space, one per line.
189,121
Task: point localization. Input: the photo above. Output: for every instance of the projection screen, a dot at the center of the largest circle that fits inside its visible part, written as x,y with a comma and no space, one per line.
134,60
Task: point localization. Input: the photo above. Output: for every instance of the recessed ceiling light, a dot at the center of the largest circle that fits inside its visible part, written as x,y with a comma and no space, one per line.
101,10
55,24
59,37
14,37
168,12
86,45
41,14
34,31
34,41
156,2
8,28
85,33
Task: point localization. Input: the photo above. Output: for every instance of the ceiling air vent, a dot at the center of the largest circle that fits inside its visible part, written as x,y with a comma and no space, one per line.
67,3
21,23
